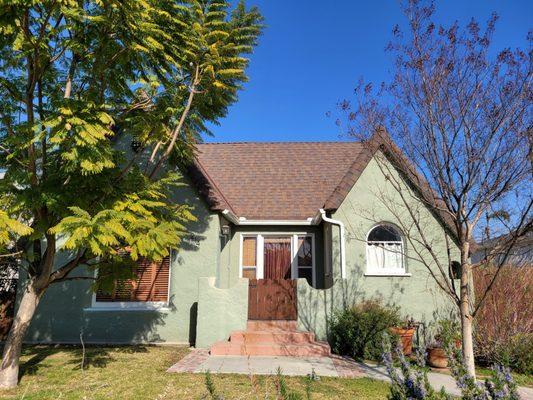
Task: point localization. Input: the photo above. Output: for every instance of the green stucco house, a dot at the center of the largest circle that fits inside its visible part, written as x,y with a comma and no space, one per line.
321,221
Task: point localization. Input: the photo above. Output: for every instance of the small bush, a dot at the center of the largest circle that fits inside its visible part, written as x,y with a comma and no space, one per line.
499,386
408,381
516,353
357,331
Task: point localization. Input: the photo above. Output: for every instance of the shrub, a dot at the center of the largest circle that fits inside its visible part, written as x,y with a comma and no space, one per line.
500,386
408,382
504,323
357,331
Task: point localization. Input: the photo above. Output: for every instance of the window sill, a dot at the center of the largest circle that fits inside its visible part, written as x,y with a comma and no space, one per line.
159,307
400,274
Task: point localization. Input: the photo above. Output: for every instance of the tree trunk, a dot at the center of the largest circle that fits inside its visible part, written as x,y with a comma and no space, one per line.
465,311
468,342
9,369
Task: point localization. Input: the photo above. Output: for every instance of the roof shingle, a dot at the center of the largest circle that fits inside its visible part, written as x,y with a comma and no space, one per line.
282,181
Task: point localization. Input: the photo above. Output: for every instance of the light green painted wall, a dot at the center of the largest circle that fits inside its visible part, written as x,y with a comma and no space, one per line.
65,308
373,199
220,311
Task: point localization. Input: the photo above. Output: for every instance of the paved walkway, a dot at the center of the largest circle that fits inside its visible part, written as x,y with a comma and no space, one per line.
199,361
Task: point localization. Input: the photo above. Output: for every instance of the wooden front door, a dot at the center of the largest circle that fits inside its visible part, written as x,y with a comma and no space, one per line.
274,298
277,258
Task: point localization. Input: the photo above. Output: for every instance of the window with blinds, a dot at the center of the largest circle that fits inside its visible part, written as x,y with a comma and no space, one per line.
249,257
151,284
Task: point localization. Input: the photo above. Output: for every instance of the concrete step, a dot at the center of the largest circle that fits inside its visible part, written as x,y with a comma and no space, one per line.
316,349
280,325
272,336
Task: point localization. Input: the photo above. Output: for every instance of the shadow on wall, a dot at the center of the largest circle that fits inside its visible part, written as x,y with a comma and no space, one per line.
316,307
416,297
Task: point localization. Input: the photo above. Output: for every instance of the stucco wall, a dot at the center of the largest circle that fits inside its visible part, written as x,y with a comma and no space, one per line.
65,309
220,311
373,199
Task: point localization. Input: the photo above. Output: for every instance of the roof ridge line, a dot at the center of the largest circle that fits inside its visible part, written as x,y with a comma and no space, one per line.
212,182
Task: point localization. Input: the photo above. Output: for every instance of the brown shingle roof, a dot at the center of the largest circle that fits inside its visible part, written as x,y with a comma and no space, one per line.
292,180
282,181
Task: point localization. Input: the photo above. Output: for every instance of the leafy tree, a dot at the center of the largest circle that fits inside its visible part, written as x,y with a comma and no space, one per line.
462,115
81,80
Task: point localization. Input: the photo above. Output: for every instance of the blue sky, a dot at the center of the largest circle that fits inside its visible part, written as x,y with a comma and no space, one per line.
312,53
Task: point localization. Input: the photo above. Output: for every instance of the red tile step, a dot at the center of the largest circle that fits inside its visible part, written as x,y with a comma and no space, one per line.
271,338
279,337
279,325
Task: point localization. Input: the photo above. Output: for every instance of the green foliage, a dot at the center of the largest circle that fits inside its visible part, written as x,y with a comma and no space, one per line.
357,331
446,332
516,353
408,382
499,386
143,222
79,81
281,388
10,228
284,393
210,386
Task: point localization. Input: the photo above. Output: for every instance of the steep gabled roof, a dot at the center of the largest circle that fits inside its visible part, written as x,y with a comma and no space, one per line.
267,181
293,180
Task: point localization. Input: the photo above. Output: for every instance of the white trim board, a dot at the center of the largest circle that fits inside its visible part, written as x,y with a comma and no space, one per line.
260,252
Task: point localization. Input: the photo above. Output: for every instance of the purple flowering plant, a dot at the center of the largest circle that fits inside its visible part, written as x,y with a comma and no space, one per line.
499,386
408,381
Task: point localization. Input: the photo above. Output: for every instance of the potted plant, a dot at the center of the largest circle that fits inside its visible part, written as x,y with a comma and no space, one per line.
437,357
448,332
406,332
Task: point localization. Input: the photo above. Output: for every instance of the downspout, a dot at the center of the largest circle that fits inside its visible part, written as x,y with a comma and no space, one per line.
325,218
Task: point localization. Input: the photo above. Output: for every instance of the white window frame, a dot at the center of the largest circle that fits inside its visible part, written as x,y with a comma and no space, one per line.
133,305
260,244
372,270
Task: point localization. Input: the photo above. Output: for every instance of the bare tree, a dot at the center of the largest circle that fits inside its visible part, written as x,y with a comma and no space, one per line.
460,116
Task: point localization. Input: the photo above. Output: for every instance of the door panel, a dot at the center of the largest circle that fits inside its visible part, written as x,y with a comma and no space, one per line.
277,258
272,299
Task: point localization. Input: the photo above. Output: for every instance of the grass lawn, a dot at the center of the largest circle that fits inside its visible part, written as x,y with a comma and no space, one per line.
138,372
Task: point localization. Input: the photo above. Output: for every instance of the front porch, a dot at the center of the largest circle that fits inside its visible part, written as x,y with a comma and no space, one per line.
272,325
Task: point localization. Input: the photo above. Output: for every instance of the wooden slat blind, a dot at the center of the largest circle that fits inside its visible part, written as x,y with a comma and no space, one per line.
151,284
249,251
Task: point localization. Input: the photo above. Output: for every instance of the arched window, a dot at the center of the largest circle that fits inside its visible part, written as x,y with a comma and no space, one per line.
384,251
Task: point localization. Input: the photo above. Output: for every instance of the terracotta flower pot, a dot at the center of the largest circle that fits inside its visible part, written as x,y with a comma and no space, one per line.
437,357
406,337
